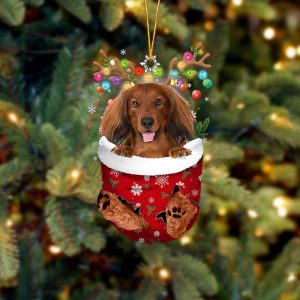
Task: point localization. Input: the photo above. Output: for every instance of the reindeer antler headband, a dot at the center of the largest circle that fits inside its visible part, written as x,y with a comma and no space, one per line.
112,71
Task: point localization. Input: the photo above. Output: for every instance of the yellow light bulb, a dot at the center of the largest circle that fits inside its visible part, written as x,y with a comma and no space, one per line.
282,212
185,240
237,2
130,3
106,71
241,105
75,173
278,66
54,249
290,52
273,116
278,201
252,214
148,77
9,223
269,33
12,117
259,232
164,274
181,65
207,157
298,50
209,25
173,82
292,277
222,211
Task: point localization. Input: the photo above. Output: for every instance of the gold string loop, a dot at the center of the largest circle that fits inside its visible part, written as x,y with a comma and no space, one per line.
151,43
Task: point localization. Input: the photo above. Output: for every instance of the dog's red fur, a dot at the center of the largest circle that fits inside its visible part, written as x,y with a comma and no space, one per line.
172,121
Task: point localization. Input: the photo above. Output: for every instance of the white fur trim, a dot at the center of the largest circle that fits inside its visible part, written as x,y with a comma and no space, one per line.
149,166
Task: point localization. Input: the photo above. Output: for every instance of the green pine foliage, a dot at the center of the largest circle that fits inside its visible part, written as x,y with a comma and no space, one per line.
9,252
12,12
112,13
77,8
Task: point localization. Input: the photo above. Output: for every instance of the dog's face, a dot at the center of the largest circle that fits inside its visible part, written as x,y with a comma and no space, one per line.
147,110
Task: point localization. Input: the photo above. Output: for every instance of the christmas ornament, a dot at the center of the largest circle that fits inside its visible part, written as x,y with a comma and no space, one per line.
184,87
124,63
159,197
190,73
158,72
196,94
98,76
202,74
181,65
174,74
100,89
105,85
139,71
116,80
188,55
207,83
179,82
106,71
148,77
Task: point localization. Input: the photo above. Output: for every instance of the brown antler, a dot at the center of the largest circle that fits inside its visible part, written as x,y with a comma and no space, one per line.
193,62
115,67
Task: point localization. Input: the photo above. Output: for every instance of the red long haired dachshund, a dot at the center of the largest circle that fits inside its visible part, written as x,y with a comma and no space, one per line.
152,120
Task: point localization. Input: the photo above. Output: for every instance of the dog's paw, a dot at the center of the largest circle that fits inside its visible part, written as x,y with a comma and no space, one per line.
120,212
123,150
179,213
179,152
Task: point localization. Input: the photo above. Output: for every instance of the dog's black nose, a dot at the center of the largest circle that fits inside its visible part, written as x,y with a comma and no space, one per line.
147,122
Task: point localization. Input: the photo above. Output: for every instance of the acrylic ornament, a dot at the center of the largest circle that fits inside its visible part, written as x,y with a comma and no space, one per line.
148,180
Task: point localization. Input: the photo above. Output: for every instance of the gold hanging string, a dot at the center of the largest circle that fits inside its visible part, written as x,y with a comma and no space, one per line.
151,43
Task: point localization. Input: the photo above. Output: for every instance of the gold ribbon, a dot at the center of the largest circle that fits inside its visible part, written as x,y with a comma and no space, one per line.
151,43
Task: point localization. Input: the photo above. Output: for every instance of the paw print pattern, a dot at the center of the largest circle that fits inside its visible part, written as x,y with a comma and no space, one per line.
176,212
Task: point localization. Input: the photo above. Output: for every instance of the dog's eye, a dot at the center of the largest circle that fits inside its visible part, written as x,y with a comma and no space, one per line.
134,103
158,101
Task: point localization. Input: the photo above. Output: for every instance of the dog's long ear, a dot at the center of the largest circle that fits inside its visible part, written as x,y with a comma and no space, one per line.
181,121
115,123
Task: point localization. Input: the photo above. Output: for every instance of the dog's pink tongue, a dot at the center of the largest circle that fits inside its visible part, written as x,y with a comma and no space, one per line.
148,136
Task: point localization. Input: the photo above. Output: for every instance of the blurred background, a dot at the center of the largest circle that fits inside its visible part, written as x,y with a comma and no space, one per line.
54,244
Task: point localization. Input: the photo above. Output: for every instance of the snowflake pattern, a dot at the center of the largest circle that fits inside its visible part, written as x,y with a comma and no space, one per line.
136,189
141,240
180,183
195,192
151,200
162,180
155,63
91,109
122,51
189,85
137,205
200,178
206,99
95,158
146,178
114,172
156,233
